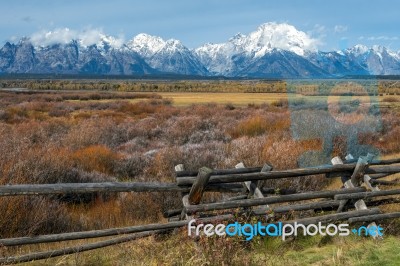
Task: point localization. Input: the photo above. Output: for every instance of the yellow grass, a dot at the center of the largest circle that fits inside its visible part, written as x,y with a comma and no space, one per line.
182,99
243,99
238,99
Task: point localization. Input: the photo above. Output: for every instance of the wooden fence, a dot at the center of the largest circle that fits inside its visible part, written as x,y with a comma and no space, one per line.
356,202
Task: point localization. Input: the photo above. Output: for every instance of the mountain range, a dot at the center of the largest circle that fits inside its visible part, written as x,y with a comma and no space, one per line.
272,51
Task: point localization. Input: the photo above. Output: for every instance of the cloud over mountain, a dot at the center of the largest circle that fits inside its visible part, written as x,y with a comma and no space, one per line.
86,37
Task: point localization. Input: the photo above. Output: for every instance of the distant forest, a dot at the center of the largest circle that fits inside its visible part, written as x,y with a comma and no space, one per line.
305,87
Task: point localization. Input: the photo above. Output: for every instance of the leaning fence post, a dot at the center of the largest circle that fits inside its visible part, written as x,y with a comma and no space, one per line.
185,201
252,188
359,171
198,187
354,181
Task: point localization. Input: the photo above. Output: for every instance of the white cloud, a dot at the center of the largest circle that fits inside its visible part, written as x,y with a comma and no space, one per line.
382,38
317,36
43,38
340,28
320,29
86,37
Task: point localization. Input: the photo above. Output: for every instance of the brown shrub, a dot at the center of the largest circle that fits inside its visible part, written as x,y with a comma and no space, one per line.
28,216
137,108
260,124
245,149
250,127
390,142
284,103
162,166
391,99
96,158
283,152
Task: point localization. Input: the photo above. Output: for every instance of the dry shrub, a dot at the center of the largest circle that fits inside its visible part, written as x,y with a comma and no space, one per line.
283,103
126,209
285,153
28,216
260,124
204,111
14,114
339,147
137,108
162,166
146,128
251,127
132,166
207,136
178,130
391,99
390,142
245,149
195,156
96,158
142,206
97,131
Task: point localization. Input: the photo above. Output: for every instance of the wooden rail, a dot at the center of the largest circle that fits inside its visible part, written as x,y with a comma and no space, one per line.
269,200
191,185
229,178
46,189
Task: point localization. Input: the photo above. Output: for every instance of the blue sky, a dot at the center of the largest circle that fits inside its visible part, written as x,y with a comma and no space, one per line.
338,24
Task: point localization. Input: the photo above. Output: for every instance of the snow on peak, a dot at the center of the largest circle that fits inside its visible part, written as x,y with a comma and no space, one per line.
238,39
145,41
173,43
267,37
358,49
111,41
282,36
379,48
149,45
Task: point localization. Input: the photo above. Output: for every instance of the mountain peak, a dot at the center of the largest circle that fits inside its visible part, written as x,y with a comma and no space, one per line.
379,48
281,36
110,41
358,49
144,43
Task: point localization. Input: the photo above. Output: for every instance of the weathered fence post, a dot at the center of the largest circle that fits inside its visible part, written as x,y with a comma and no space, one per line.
198,187
252,186
185,196
354,181
367,182
359,171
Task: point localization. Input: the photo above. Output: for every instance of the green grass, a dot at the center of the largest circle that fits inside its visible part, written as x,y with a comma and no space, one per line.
350,251
181,250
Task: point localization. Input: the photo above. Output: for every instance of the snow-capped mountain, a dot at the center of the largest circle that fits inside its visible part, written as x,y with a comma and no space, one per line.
169,56
71,58
223,58
358,60
378,60
272,50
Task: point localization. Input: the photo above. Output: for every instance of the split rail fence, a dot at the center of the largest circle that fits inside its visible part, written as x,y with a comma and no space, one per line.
357,201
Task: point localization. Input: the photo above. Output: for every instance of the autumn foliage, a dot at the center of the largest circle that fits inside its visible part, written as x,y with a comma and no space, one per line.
95,137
